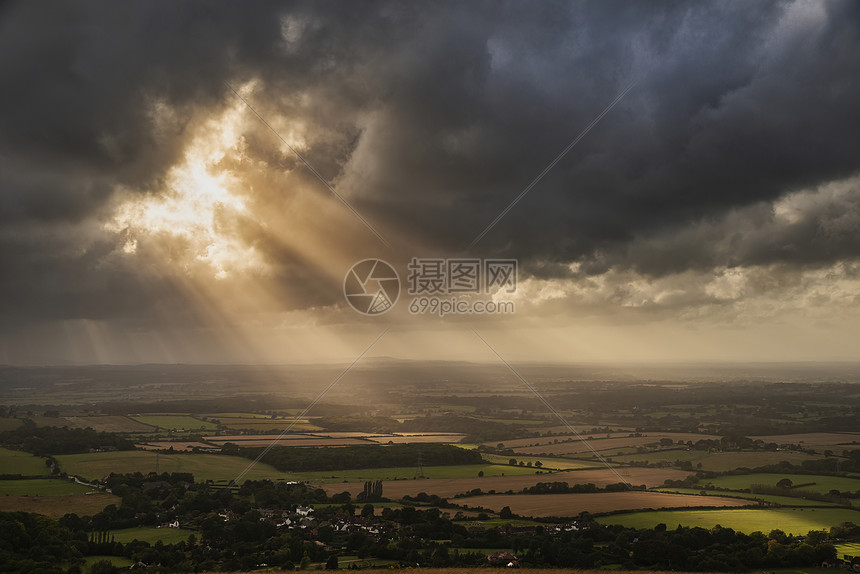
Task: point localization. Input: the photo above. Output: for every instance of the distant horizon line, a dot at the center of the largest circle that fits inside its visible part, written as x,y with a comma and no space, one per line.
389,359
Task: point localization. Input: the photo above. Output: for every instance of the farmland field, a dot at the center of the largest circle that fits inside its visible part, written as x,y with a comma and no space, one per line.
819,440
447,487
790,520
174,422
118,561
823,484
164,445
264,425
202,466
41,487
769,498
17,462
409,472
418,438
622,438
152,535
722,461
7,424
287,440
57,506
547,462
851,548
577,446
109,423
573,504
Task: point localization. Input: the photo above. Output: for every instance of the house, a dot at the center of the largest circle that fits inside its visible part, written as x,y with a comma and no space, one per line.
505,558
304,510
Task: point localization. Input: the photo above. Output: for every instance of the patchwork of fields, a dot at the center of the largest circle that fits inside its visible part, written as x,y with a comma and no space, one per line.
569,460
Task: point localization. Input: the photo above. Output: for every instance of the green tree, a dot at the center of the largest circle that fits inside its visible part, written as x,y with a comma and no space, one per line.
332,563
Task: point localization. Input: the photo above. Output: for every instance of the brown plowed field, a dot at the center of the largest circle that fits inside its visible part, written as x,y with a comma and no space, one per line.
447,487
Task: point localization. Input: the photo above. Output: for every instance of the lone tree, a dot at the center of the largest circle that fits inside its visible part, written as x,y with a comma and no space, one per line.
784,483
332,563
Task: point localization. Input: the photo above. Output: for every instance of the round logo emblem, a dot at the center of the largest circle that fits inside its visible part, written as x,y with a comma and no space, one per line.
371,287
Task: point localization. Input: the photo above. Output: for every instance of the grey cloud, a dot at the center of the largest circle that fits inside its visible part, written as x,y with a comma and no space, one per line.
459,105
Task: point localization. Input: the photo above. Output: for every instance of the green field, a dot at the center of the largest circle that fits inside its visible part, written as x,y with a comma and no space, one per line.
790,520
409,473
175,422
781,500
548,462
718,462
823,484
152,535
7,424
41,487
265,425
118,561
202,466
236,416
850,548
17,462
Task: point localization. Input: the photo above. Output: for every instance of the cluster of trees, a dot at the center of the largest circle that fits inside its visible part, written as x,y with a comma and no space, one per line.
372,491
364,456
43,441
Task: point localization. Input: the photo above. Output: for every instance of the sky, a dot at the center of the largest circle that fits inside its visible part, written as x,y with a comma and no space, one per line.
193,181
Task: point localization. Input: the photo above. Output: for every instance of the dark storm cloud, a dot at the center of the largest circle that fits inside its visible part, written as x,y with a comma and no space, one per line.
458,104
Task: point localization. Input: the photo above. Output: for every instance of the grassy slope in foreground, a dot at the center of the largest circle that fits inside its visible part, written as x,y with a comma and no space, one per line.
203,466
790,520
